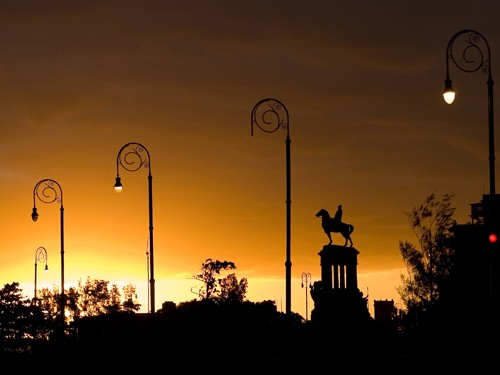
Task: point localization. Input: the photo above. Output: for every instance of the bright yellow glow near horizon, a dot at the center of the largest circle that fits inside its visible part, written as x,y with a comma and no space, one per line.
182,289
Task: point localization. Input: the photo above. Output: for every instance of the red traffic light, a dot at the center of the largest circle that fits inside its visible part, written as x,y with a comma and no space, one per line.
492,238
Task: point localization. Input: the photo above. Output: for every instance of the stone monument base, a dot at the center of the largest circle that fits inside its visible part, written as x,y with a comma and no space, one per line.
336,297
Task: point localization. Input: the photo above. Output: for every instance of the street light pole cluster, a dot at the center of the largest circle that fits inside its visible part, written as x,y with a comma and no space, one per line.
132,158
271,112
49,191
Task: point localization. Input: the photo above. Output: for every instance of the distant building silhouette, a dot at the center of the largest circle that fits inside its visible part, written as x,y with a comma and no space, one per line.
384,310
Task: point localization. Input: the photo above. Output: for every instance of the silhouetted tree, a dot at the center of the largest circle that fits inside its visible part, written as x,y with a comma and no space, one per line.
22,321
210,268
47,300
72,303
130,298
233,290
430,262
114,303
27,326
95,297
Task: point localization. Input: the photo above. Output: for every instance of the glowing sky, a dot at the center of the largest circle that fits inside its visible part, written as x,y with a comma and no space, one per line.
361,80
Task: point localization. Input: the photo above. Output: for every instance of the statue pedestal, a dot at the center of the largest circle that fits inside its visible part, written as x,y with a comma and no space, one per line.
336,297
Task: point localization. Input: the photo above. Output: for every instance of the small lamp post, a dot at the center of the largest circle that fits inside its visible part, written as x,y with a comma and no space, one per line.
42,257
306,282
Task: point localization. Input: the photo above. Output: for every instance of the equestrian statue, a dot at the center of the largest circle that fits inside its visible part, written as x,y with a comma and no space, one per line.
335,225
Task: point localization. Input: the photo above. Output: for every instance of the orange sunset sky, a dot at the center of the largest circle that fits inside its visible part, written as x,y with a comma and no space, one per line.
362,82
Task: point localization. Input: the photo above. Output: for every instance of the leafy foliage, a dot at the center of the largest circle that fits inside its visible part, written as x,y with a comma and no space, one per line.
430,262
232,289
130,298
22,321
227,288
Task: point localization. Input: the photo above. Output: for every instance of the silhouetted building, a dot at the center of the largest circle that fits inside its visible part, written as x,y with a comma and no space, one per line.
384,310
336,296
168,307
474,279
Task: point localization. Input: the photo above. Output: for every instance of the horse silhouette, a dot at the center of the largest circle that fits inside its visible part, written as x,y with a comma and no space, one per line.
329,226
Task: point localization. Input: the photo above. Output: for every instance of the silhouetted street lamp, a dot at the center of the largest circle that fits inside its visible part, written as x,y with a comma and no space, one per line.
306,279
475,55
42,257
472,59
49,191
130,157
273,112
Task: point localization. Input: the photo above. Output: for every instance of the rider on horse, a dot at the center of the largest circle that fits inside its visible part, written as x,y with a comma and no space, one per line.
335,224
337,219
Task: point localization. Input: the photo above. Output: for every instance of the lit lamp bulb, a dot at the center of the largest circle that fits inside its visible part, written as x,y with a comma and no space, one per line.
448,93
118,185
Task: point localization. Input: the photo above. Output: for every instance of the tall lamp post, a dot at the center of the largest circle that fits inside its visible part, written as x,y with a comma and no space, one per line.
475,55
42,257
306,281
131,158
49,191
271,112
